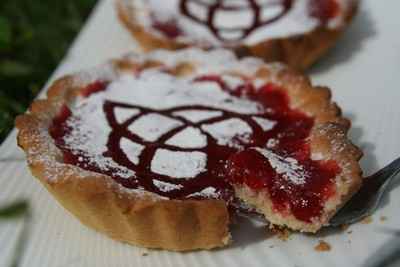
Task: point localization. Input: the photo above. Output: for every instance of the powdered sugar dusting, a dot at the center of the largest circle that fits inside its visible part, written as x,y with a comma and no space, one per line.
159,90
150,127
265,124
188,138
229,132
232,81
179,164
166,187
132,150
198,115
209,192
288,167
47,155
216,61
89,135
122,114
105,72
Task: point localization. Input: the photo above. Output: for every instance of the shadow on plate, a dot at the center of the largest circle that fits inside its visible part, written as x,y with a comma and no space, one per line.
247,232
352,41
369,163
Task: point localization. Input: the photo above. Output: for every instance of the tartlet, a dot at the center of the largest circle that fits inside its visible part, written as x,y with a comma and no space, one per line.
159,150
296,32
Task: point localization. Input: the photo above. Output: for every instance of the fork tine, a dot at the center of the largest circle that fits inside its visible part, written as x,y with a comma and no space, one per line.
392,167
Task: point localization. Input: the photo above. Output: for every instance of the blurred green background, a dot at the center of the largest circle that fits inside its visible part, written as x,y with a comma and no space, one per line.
34,36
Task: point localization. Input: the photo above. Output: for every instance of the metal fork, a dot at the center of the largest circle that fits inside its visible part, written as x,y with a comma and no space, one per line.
368,198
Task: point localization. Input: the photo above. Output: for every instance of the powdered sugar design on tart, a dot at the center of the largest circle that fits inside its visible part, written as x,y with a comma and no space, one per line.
186,136
220,22
197,103
177,164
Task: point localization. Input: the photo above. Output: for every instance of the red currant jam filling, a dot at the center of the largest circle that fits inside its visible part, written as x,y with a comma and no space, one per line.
272,157
324,10
93,88
302,190
168,28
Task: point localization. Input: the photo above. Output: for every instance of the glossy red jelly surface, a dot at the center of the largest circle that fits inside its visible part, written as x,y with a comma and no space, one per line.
226,165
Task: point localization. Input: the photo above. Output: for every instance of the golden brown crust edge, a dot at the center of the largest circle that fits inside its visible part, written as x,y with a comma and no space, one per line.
299,52
142,219
98,202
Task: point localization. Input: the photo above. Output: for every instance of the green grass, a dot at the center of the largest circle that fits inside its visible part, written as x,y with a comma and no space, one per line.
34,36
